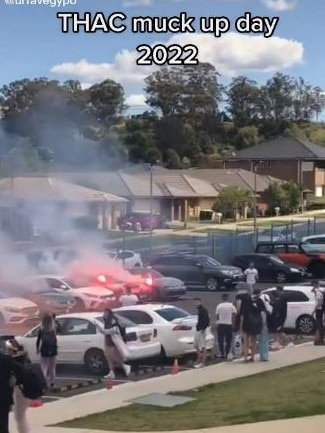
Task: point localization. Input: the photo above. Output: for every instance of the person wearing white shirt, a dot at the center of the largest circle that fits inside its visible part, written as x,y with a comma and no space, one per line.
226,314
129,299
319,313
251,277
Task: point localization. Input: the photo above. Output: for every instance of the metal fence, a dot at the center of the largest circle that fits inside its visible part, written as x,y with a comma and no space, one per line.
221,246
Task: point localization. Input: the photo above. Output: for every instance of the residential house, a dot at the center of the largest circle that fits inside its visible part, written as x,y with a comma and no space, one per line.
48,200
286,157
177,194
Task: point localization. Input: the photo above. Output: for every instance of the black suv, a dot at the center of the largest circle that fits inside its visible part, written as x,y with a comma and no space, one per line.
271,267
198,270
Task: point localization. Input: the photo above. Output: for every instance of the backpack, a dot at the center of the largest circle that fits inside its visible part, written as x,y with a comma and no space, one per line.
254,316
30,380
49,346
122,332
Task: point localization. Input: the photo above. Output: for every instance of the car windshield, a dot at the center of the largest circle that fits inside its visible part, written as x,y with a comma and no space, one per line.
171,314
277,260
126,323
74,284
208,262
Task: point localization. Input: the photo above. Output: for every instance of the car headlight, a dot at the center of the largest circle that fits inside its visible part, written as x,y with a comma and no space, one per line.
228,273
12,310
294,270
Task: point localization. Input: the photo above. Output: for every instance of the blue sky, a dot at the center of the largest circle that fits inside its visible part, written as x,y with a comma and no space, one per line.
33,45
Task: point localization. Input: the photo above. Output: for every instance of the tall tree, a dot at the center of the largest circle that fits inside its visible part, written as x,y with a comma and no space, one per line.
243,101
106,101
186,91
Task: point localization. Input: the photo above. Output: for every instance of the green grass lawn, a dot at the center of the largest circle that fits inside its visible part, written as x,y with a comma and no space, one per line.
290,392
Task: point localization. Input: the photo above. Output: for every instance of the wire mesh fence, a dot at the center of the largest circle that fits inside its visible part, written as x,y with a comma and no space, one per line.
223,246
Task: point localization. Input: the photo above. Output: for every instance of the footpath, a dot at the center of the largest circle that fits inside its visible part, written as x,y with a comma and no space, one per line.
103,400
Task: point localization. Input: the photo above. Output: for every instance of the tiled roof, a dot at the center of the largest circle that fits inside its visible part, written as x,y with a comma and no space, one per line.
48,188
284,147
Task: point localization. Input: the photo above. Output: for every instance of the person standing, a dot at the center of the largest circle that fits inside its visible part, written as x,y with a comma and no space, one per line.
251,274
226,316
203,322
116,351
6,394
21,403
319,314
250,325
47,347
129,299
280,311
264,338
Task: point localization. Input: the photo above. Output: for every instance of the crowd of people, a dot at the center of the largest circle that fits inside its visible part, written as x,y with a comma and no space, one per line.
244,327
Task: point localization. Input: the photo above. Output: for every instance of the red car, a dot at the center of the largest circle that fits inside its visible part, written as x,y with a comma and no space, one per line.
141,221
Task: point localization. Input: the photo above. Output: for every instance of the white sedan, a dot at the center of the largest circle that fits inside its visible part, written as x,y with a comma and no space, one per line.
301,305
80,341
17,312
175,327
88,298
127,258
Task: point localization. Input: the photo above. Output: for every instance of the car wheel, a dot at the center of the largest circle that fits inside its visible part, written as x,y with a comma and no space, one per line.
281,277
305,324
80,305
317,270
211,284
95,362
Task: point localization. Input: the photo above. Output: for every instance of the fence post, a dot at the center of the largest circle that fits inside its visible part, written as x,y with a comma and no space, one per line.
287,234
257,235
292,228
271,232
315,225
308,228
213,246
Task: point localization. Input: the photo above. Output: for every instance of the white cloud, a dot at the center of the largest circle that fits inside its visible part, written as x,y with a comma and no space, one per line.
136,100
231,54
280,5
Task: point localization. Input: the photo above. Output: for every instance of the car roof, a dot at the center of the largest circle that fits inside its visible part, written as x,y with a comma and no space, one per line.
277,243
304,289
307,238
151,307
256,255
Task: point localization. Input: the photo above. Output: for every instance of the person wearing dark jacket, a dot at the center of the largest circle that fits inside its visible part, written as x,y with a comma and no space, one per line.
203,322
7,368
21,403
280,311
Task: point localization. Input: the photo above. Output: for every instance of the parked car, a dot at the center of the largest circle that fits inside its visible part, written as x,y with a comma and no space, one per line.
314,243
175,327
198,270
126,258
81,343
45,298
278,247
17,313
306,255
277,234
271,267
301,305
141,221
154,286
88,298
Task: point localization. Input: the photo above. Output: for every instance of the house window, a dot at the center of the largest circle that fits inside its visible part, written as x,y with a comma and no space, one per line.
319,191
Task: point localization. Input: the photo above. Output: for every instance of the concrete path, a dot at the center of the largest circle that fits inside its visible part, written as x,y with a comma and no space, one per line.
102,400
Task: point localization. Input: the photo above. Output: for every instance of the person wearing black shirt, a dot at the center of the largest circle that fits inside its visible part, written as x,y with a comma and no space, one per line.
203,322
280,311
7,368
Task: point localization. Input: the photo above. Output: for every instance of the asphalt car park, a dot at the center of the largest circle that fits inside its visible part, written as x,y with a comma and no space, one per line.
74,380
